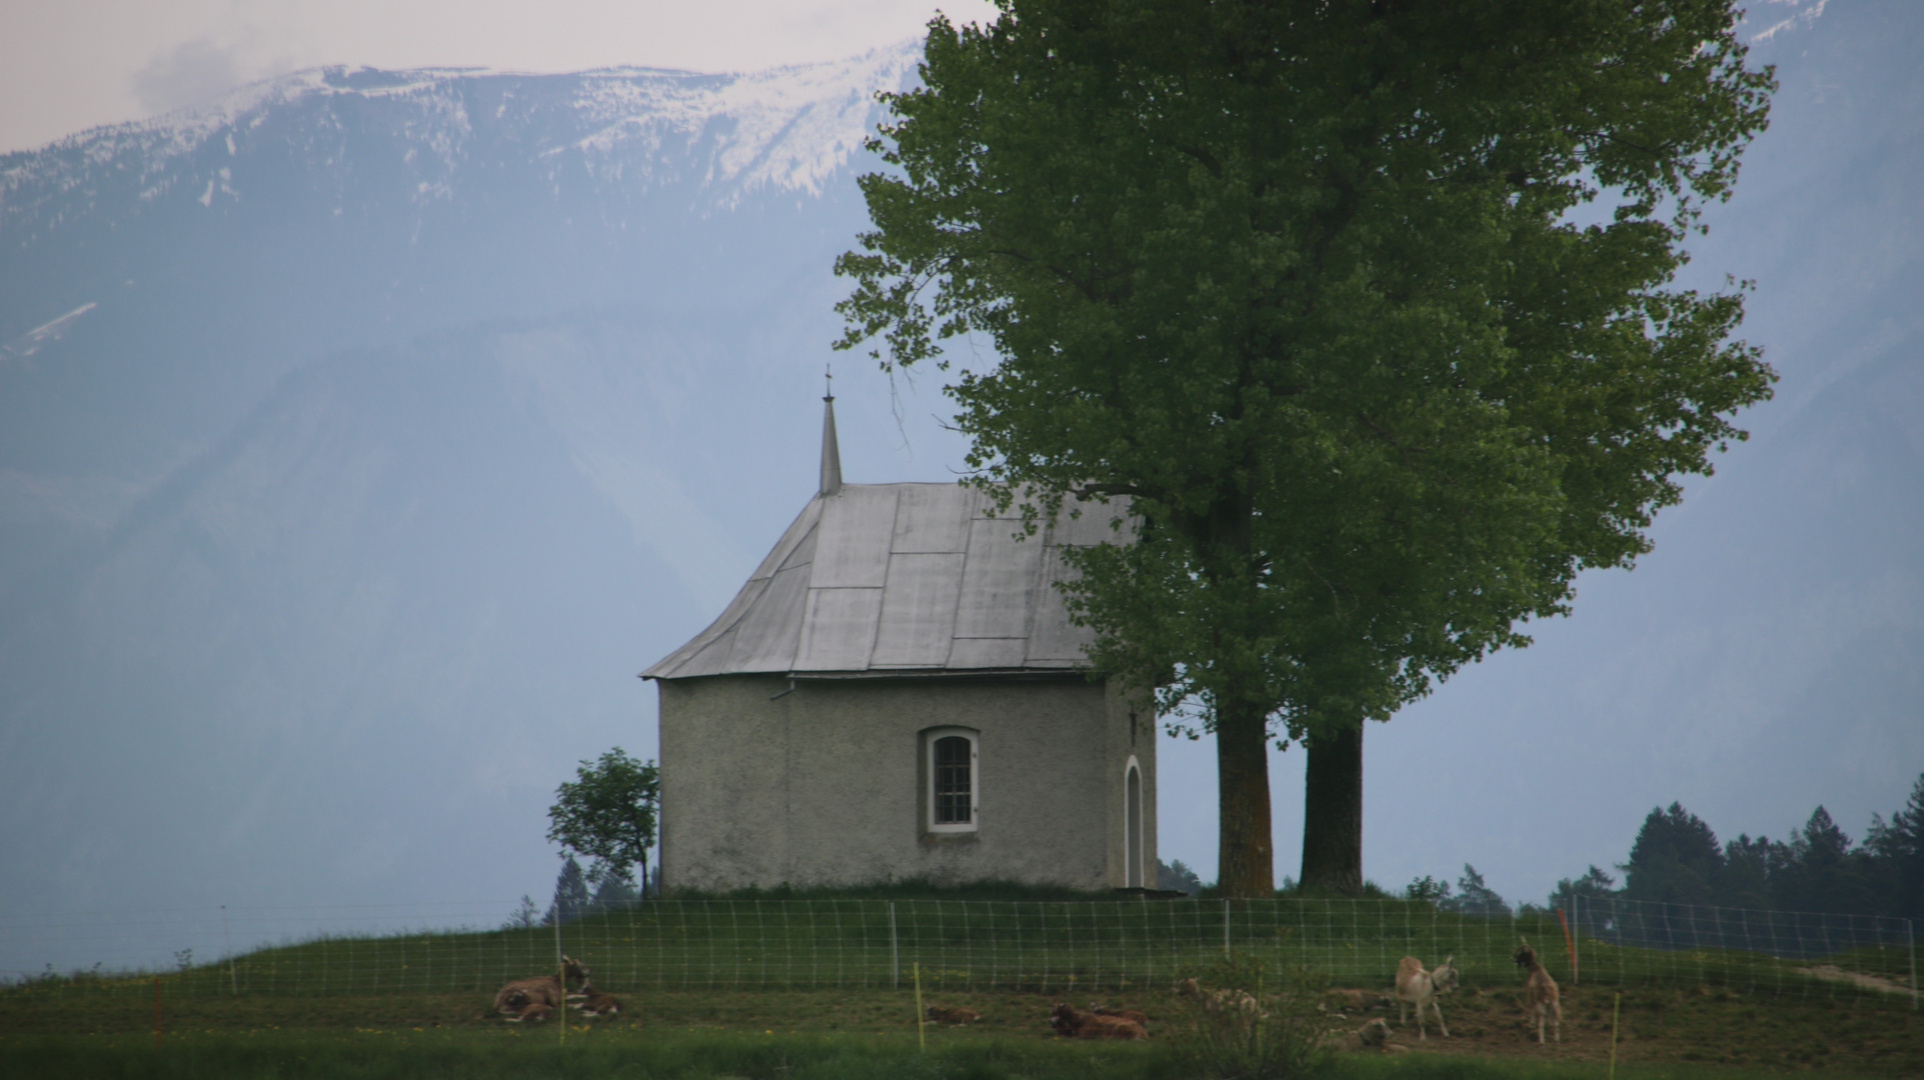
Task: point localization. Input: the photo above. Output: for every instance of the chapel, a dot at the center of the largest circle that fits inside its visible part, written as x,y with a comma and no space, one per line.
898,693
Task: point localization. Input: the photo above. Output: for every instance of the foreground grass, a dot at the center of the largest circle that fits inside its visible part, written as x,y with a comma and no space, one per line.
612,1055
791,1035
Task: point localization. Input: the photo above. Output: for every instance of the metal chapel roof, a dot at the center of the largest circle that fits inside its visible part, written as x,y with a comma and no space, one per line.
900,578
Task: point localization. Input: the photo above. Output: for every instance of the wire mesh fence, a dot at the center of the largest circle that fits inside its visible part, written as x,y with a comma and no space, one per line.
1045,947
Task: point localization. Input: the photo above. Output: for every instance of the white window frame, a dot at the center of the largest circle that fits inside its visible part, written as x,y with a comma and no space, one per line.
929,738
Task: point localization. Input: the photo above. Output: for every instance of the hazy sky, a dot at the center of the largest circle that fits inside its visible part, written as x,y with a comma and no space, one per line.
68,65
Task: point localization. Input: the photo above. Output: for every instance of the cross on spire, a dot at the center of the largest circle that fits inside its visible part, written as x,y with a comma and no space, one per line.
831,451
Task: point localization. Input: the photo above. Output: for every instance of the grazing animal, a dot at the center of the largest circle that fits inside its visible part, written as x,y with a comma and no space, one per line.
1070,1021
1133,1015
952,1014
1539,992
1415,986
547,990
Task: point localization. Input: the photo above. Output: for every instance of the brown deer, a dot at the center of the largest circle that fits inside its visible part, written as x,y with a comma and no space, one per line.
1070,1021
1539,992
1134,1016
595,1003
549,990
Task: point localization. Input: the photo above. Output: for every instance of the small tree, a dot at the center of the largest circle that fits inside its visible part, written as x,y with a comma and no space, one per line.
524,917
1473,897
1177,876
570,894
609,812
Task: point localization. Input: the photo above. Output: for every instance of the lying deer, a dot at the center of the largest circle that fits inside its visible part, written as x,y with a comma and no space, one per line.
595,1003
1070,1021
1134,1016
549,990
1539,992
1420,988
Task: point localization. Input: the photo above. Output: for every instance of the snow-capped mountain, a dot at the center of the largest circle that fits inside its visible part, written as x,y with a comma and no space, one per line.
339,208
201,255
716,138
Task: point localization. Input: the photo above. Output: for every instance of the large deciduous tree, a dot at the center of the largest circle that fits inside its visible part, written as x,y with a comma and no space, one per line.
1366,308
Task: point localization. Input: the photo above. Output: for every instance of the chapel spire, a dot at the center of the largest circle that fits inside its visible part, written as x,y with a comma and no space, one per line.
831,452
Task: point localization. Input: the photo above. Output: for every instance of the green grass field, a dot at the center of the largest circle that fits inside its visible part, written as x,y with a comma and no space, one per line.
1049,946
657,1054
783,989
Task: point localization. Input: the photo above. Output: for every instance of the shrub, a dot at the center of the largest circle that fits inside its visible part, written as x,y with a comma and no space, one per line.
1255,1021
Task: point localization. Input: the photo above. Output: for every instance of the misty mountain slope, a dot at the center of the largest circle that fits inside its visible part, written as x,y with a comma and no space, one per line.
349,208
329,542
371,605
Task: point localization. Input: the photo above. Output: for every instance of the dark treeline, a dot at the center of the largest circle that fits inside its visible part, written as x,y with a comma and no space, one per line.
1677,859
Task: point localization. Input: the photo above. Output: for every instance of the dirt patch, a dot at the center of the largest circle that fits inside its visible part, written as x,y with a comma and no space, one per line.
1856,978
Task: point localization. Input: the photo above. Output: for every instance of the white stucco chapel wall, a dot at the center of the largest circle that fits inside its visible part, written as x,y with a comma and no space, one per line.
825,783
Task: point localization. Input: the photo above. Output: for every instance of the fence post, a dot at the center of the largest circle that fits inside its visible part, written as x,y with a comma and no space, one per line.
1225,928
1576,938
895,953
232,975
1910,934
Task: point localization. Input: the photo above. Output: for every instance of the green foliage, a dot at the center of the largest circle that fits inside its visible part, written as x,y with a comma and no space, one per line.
571,899
609,812
1277,1033
1179,876
1594,884
1428,889
525,916
1676,858
1473,897
1899,848
1302,281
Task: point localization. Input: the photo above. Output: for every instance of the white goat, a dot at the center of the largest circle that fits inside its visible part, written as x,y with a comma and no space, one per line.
1420,988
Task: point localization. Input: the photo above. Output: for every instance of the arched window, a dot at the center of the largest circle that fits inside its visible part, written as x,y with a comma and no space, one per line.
950,765
1132,875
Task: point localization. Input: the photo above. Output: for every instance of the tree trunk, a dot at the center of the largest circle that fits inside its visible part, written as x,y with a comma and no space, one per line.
1246,859
1333,813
